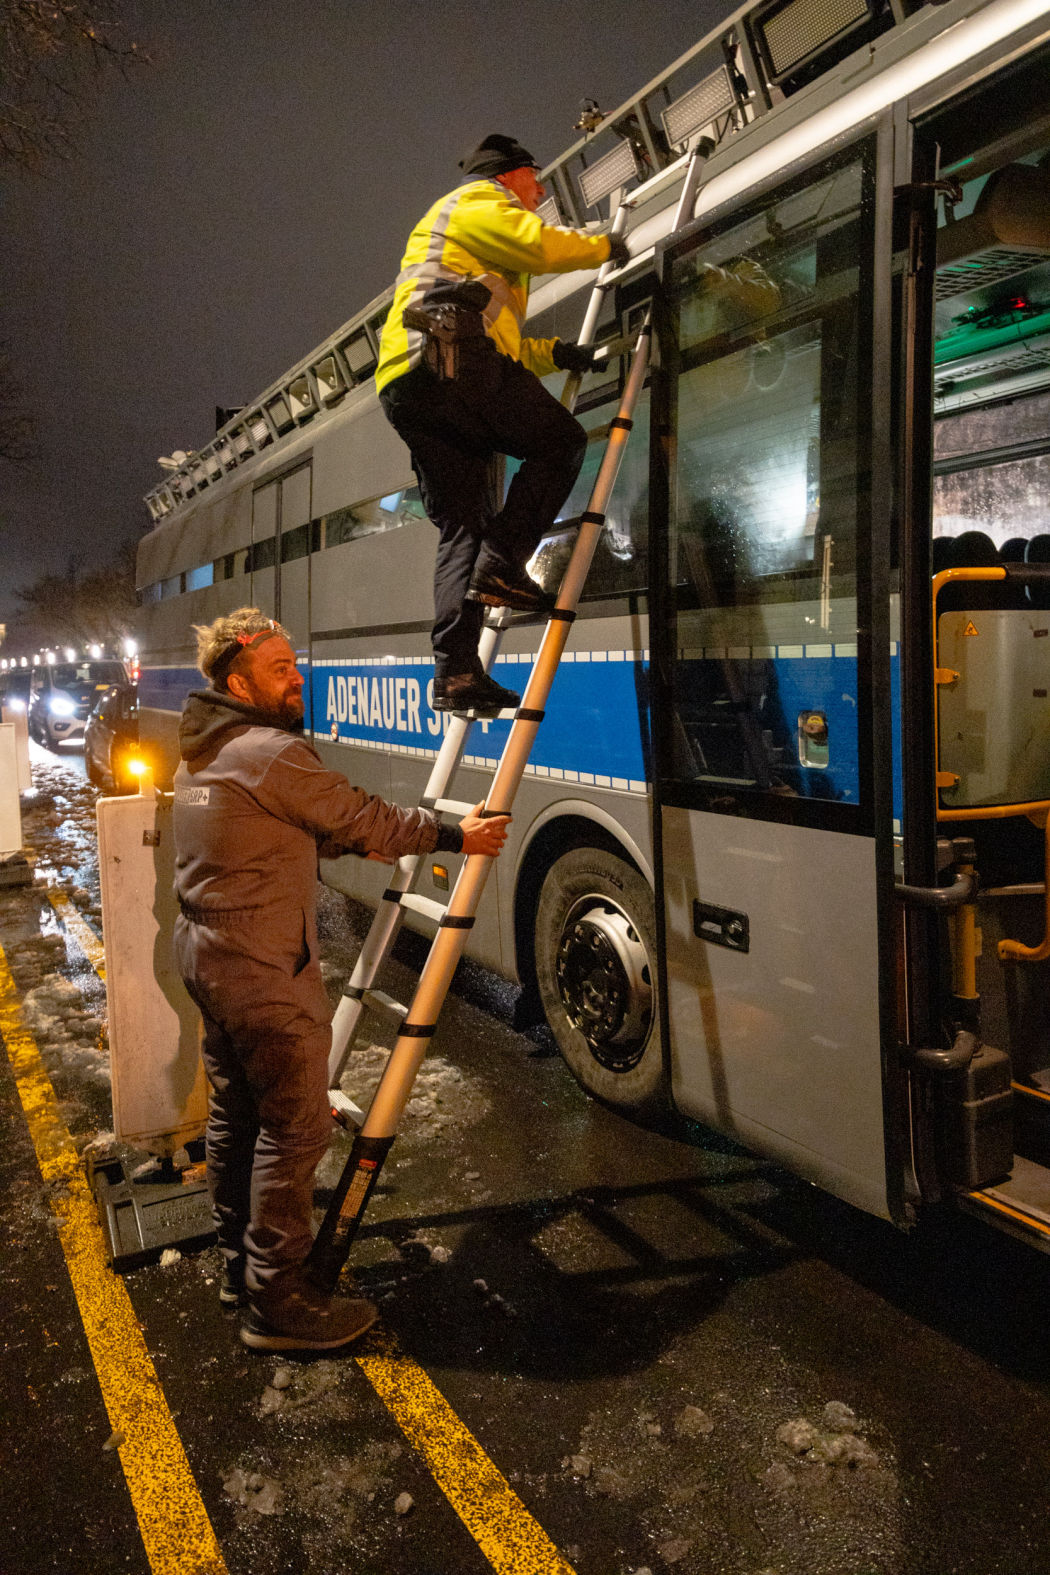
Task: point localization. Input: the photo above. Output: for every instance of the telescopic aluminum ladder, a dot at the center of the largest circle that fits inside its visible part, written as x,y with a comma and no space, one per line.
417,1022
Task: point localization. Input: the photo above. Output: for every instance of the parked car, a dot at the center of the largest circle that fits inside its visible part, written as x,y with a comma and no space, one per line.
111,739
15,688
64,694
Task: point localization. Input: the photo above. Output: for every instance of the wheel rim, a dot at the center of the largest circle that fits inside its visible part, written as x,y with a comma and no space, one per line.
604,980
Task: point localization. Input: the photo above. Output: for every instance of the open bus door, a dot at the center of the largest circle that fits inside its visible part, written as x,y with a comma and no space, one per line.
774,684
975,596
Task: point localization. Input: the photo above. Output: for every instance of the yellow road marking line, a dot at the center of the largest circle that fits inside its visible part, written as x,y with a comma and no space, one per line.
511,1540
483,1499
174,1524
80,930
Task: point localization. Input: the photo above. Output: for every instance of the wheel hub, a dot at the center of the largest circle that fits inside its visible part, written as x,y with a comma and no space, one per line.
604,982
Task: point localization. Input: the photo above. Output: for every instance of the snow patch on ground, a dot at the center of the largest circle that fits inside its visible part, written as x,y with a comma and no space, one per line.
722,1484
444,1100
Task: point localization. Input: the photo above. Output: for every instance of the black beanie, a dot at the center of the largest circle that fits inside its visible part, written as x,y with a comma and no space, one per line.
495,156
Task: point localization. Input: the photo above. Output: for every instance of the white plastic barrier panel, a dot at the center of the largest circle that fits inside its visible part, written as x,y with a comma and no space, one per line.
20,717
160,1092
10,810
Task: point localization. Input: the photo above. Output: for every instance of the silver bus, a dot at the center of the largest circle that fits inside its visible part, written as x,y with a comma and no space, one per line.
780,854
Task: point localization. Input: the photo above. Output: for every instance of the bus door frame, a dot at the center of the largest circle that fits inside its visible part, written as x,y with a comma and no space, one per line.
874,532
919,184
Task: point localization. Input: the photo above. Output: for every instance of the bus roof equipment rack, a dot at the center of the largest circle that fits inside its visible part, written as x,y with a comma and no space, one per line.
738,72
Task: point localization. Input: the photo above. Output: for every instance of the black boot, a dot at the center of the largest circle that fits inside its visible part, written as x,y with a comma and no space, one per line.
506,585
473,692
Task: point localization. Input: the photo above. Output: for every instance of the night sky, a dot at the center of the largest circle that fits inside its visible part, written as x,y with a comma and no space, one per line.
239,199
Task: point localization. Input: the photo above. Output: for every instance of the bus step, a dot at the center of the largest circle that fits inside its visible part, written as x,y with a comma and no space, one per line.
1032,1122
344,1110
385,1005
1020,1206
434,911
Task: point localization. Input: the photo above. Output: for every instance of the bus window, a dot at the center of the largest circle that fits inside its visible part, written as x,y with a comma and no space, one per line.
295,543
264,553
992,363
365,519
765,497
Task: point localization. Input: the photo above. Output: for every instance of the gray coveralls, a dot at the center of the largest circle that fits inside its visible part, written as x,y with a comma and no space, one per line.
254,808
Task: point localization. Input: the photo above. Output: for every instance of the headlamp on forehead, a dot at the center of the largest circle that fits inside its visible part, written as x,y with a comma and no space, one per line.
240,642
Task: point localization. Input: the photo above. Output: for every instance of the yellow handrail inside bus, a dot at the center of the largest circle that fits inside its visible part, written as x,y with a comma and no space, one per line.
1037,811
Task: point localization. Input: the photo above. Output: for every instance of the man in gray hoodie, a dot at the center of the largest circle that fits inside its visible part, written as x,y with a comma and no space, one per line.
254,809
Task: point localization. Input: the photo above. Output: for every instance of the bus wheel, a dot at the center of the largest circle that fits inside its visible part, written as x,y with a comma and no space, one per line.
596,971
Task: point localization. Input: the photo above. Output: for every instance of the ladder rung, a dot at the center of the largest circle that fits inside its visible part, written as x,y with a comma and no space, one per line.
453,806
507,715
509,618
425,905
344,1110
613,347
385,1004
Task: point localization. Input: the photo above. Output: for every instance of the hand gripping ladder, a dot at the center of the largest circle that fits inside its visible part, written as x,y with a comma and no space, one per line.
419,1020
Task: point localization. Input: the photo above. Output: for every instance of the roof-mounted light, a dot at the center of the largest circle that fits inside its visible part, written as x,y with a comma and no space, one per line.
258,428
359,354
279,413
792,33
612,170
702,104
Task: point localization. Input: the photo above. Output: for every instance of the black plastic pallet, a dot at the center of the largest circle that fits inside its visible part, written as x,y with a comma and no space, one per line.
140,1218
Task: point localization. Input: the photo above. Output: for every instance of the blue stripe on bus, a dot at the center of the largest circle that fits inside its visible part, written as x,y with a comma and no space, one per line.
595,722
596,725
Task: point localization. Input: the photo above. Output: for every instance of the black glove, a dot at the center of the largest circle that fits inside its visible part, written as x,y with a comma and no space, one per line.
619,251
572,358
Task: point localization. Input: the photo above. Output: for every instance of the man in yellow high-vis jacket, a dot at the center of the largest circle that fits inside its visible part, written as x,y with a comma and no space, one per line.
461,385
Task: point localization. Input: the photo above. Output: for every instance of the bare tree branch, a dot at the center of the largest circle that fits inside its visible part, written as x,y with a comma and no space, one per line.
62,609
52,55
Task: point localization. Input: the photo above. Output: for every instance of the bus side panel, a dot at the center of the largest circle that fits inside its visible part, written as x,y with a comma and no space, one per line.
190,540
778,1044
358,456
375,582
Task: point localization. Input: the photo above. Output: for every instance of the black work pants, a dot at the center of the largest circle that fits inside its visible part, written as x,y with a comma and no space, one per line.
453,430
267,1035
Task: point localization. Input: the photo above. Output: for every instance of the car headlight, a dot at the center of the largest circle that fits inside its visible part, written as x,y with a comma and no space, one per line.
60,706
14,705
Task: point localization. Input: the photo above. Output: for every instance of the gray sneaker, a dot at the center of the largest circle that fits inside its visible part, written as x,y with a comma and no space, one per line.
231,1287
304,1319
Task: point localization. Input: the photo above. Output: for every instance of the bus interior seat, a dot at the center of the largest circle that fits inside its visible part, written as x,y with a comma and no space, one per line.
1013,550
942,553
1038,551
972,550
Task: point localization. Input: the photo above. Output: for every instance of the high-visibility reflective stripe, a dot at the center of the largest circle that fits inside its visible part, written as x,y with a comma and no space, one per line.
174,1524
483,1499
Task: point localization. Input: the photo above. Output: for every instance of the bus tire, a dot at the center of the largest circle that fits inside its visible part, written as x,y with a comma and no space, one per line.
595,951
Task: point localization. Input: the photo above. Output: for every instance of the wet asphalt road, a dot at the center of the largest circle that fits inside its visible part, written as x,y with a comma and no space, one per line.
634,1326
